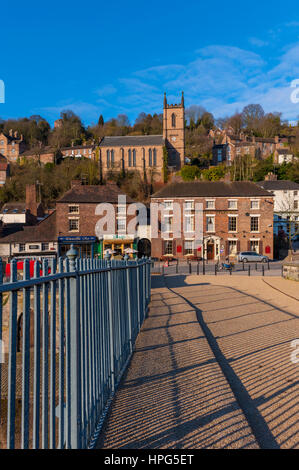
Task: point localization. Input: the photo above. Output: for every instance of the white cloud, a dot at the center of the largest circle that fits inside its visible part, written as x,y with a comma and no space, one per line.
87,110
220,78
106,90
258,42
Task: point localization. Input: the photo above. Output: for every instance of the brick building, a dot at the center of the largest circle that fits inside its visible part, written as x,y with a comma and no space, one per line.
42,155
228,146
80,151
235,217
4,169
24,213
11,145
76,220
26,241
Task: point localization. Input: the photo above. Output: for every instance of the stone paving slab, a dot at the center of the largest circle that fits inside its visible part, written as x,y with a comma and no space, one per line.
253,326
175,394
211,369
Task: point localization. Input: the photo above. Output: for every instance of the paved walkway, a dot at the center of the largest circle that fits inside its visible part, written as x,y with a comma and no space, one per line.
212,368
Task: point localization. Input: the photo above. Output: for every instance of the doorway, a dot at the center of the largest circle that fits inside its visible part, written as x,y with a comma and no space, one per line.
210,250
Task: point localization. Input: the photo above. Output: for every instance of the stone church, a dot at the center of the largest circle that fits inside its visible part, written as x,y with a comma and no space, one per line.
144,153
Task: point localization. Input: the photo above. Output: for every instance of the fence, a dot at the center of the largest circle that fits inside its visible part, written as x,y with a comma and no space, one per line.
66,351
212,268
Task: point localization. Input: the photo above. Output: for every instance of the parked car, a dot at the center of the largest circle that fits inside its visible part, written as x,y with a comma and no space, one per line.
252,256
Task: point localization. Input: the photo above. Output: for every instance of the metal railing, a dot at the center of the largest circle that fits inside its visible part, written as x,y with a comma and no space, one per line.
68,337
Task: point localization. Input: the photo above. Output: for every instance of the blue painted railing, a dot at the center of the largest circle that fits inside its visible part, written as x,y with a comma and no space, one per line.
68,338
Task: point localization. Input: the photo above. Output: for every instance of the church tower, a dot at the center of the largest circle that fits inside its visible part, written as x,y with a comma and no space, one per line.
174,132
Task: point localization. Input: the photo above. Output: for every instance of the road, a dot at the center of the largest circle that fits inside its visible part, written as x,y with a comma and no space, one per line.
212,367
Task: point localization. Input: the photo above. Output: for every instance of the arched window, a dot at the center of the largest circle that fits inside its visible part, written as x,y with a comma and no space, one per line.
173,120
150,157
122,158
112,158
155,157
129,157
108,158
134,157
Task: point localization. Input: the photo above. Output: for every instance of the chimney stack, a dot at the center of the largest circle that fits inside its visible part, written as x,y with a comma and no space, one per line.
76,183
10,132
271,177
31,200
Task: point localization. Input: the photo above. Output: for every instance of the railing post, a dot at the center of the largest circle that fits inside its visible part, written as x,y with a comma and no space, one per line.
149,280
143,287
75,359
110,305
138,293
126,258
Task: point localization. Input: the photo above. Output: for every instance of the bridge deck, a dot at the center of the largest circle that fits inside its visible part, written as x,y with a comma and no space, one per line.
212,369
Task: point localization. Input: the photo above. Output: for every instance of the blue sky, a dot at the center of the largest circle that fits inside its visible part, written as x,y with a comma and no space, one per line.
119,57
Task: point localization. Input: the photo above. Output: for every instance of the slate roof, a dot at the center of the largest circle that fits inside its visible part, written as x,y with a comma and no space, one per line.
132,141
211,189
278,185
14,208
93,194
78,147
44,231
37,151
284,152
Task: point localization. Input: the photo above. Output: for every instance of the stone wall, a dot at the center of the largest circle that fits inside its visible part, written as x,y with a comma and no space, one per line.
291,270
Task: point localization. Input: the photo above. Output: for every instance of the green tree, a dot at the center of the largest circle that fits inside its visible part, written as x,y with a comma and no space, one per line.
214,173
190,172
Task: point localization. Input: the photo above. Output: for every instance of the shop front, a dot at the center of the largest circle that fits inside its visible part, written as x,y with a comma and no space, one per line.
86,246
117,246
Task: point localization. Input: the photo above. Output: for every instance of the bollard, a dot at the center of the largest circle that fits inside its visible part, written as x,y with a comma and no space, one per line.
263,270
190,268
268,265
243,266
203,269
249,270
177,266
163,270
197,268
215,269
256,266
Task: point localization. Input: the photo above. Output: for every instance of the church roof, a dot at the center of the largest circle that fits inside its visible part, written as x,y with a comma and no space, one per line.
132,141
